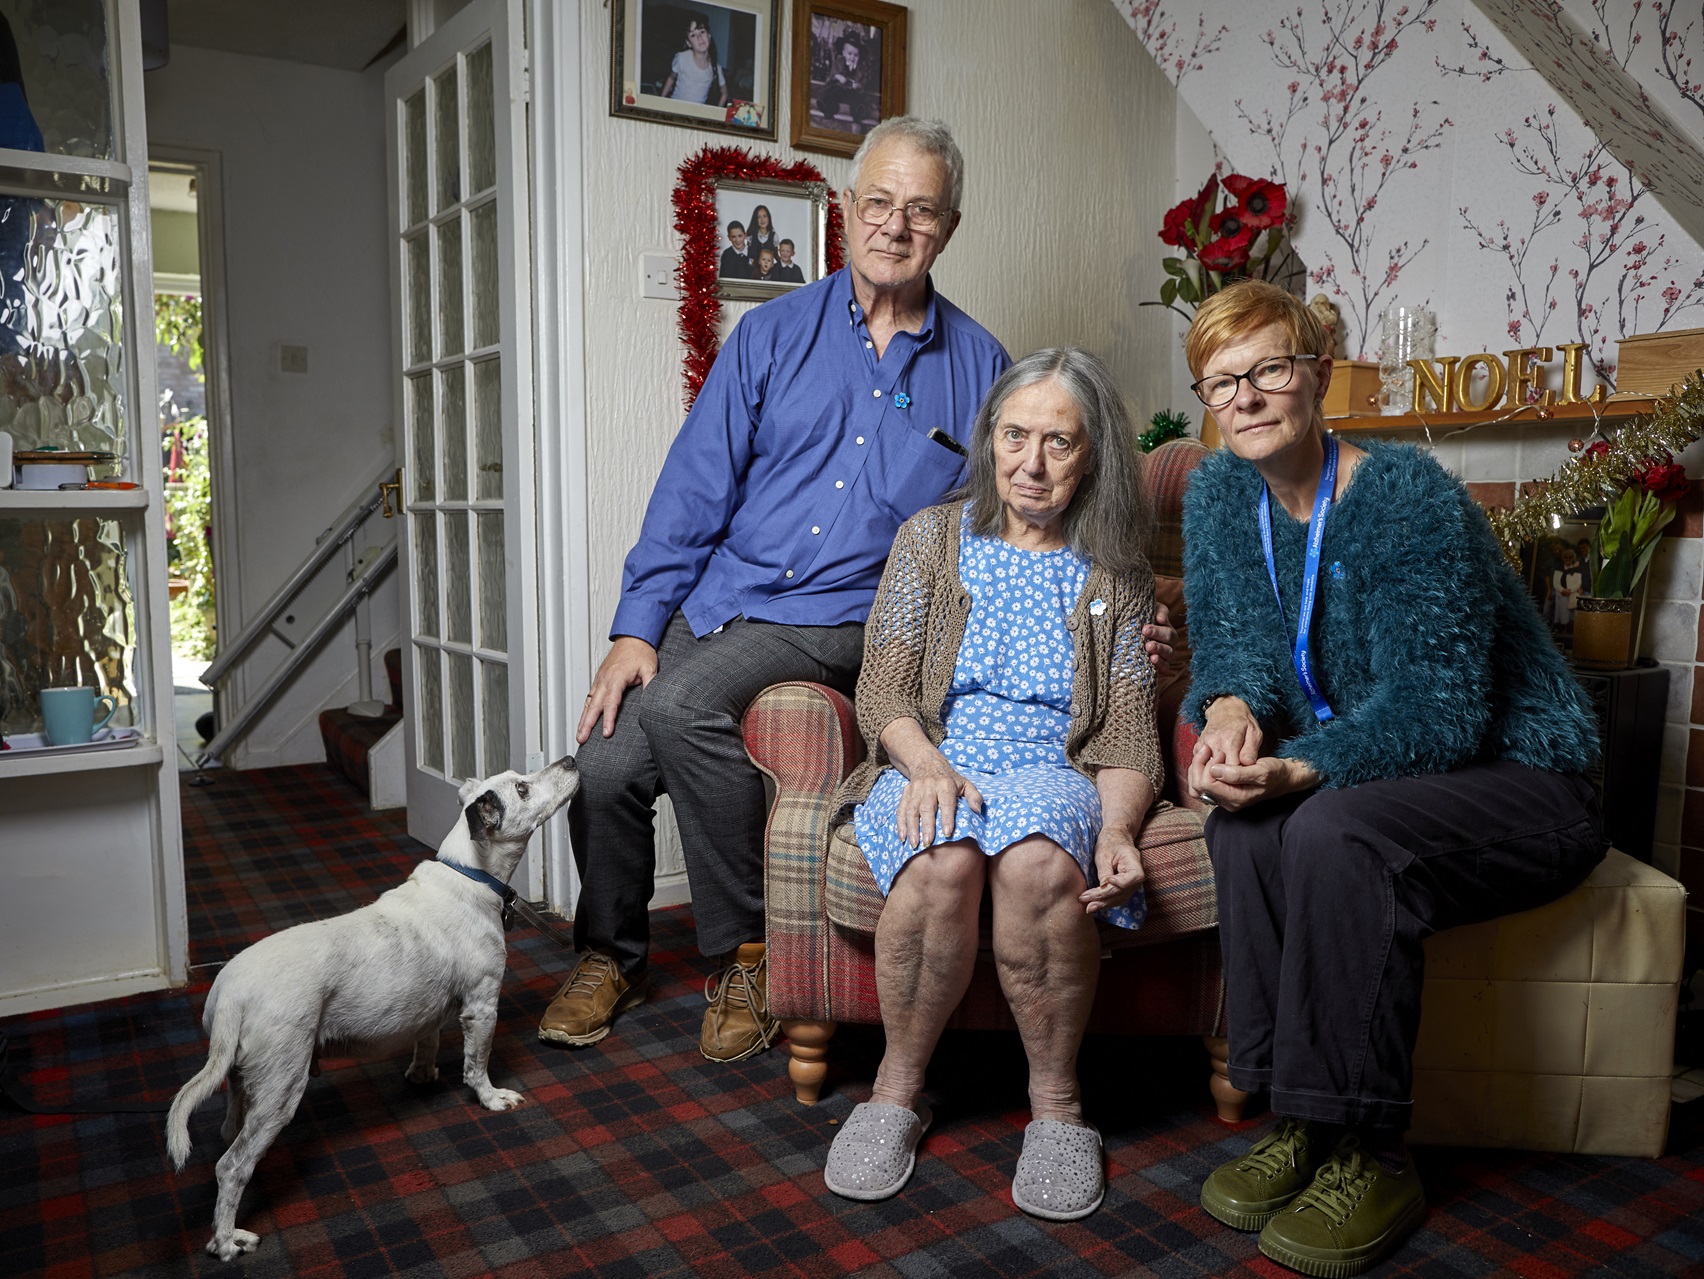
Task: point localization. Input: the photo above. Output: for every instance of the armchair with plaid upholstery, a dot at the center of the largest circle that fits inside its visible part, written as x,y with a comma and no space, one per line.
822,903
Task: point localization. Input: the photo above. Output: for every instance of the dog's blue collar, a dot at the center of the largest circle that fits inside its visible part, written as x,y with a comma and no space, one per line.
481,877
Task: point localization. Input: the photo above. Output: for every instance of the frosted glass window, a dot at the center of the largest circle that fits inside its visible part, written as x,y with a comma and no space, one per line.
450,288
420,421
488,430
414,156
458,580
460,718
493,607
419,299
483,282
67,616
426,574
62,61
429,731
452,432
446,151
495,679
481,125
61,299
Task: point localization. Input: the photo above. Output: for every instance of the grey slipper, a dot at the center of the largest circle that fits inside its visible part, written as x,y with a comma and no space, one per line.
1059,1174
875,1150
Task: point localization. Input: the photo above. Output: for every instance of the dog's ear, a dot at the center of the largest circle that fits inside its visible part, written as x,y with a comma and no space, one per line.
468,790
484,816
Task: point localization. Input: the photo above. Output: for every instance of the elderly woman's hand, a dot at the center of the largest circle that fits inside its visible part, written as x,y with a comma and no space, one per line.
1118,862
1237,786
932,786
1158,636
1232,736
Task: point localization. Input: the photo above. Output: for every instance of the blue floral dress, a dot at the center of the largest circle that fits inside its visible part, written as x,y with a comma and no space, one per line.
1007,716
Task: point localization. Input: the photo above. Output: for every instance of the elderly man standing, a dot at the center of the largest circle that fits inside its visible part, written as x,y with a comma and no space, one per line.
831,415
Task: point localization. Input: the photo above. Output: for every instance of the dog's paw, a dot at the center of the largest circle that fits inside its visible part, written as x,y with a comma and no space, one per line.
418,1073
229,1249
500,1099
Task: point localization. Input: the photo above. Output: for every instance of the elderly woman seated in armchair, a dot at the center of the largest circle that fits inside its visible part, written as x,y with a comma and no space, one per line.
1008,707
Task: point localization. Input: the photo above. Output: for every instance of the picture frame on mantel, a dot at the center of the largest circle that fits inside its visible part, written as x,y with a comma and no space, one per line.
710,65
848,71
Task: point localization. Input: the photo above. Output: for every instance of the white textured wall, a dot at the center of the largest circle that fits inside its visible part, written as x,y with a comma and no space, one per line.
1067,130
303,152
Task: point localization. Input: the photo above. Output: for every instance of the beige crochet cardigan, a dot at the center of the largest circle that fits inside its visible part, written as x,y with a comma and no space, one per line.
911,647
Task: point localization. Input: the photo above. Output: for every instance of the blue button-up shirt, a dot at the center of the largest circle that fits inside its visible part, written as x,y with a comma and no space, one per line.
800,459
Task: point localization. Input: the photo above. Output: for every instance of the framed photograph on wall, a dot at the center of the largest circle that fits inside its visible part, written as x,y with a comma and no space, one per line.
709,65
771,236
848,71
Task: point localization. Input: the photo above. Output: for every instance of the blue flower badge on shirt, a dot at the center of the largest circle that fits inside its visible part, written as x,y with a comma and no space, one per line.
902,400
1096,607
1337,569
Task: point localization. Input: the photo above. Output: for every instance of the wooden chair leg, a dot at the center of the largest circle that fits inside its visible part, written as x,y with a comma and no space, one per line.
1227,1097
807,1042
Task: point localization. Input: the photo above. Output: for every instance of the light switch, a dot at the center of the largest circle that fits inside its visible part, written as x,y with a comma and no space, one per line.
658,276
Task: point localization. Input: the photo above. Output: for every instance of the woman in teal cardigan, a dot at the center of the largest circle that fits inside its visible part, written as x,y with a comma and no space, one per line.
1393,745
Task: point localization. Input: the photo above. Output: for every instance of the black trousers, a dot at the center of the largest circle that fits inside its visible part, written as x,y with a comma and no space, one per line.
681,734
1326,897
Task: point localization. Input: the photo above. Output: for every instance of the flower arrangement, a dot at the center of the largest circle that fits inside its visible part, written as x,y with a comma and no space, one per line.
1230,230
1632,522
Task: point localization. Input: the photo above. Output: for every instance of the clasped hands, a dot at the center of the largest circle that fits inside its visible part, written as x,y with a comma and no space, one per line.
1227,767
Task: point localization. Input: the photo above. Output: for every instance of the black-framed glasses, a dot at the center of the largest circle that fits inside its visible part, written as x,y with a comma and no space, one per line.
875,210
1271,374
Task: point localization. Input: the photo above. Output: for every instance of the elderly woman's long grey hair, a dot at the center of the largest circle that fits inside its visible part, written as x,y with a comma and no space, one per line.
1110,517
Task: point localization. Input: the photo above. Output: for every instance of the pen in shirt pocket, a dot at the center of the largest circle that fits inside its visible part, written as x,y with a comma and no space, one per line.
946,441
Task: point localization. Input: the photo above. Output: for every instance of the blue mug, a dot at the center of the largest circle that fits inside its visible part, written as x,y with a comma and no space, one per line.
69,714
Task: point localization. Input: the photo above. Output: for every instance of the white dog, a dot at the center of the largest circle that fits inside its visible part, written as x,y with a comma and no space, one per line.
369,983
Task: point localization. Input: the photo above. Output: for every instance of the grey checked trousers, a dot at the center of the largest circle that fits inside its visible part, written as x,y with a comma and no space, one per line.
681,735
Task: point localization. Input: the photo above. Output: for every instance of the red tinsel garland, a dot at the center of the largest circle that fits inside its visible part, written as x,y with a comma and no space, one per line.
695,219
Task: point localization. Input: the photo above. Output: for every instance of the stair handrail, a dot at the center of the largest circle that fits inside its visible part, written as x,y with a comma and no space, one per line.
340,532
359,587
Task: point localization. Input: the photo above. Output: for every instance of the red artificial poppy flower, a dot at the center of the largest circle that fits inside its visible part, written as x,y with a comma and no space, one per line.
1187,222
1228,222
1259,203
1228,252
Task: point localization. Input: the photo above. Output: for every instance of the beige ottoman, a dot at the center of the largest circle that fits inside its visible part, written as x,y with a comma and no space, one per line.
1554,1029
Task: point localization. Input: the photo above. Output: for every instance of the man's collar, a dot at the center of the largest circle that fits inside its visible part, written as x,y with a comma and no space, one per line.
856,310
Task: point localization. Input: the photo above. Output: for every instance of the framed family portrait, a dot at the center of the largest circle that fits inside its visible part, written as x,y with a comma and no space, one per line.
848,71
772,236
1558,566
697,65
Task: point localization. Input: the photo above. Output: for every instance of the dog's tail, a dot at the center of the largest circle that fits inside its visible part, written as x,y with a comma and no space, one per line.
221,1052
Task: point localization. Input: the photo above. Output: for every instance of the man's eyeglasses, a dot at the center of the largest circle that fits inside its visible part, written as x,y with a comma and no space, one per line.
1272,374
875,210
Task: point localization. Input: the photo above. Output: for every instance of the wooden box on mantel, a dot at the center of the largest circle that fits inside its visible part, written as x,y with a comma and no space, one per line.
1354,389
1650,363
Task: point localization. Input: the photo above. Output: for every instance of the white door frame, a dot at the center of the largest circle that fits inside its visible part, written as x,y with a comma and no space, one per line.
564,560
216,369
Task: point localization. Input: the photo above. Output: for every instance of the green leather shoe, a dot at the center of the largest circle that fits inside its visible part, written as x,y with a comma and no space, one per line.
1250,1190
1353,1215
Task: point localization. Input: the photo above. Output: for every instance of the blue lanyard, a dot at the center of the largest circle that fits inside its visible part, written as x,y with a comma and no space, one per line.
1299,655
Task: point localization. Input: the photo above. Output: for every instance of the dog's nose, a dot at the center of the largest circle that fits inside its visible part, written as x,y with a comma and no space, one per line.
566,763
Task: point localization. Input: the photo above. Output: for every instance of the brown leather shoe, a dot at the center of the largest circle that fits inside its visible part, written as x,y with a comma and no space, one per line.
587,1004
737,1024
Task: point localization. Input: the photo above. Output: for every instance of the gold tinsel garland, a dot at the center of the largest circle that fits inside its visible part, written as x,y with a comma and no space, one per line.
1593,479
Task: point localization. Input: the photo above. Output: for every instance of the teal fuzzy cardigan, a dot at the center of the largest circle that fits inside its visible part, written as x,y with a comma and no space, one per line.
1427,647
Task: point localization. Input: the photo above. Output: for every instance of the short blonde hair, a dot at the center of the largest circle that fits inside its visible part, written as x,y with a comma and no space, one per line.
1244,307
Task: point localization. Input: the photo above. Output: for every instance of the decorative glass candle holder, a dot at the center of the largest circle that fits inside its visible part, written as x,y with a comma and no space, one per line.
1409,333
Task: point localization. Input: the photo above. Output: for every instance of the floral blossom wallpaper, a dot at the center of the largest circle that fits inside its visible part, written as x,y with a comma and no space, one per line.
1436,155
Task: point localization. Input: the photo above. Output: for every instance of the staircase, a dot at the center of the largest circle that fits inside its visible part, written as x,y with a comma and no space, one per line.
349,739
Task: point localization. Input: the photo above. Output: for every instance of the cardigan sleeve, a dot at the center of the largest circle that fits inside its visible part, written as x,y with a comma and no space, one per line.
1127,736
1232,614
895,636
1430,612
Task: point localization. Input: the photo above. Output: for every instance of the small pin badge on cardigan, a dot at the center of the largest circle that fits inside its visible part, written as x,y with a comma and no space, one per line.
902,400
1337,569
1096,607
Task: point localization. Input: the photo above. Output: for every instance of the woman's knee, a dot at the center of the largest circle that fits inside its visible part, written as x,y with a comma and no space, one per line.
1035,874
946,875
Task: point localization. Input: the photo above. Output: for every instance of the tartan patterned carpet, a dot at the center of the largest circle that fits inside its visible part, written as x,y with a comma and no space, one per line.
639,1158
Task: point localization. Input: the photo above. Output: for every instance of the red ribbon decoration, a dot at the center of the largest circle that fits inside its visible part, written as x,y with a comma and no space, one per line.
695,219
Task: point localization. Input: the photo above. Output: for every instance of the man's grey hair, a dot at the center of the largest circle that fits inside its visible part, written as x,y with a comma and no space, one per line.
1109,518
929,136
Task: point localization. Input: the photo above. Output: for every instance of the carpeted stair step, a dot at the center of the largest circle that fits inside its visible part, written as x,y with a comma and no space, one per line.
349,738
